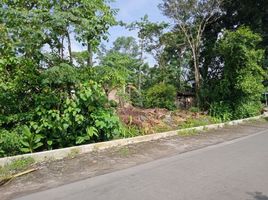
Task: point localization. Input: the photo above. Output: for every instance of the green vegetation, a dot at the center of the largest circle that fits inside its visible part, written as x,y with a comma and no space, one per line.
188,133
52,97
124,151
161,96
238,93
129,131
203,121
49,100
73,153
15,167
194,109
9,143
221,111
85,117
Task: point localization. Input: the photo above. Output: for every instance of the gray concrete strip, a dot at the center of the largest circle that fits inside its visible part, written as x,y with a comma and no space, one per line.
231,170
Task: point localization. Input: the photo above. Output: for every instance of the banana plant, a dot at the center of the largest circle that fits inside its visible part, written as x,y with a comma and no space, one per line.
30,141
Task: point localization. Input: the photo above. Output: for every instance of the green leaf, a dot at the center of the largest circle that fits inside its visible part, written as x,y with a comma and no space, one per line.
25,143
26,131
39,144
80,140
92,131
25,150
100,124
49,142
65,126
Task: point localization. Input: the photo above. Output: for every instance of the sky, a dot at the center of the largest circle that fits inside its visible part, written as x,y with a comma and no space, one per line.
129,11
133,10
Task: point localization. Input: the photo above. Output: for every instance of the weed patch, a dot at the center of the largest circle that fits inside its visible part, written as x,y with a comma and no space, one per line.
187,133
16,166
206,120
124,151
73,153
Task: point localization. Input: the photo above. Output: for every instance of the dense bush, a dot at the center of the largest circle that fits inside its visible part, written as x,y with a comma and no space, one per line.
161,96
43,109
83,116
247,109
221,111
9,143
240,88
47,100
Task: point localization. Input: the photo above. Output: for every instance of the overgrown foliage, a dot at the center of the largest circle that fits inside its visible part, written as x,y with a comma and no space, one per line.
161,96
237,94
191,18
52,97
47,100
84,116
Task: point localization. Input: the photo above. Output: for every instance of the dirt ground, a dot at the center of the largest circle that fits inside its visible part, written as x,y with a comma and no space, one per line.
56,173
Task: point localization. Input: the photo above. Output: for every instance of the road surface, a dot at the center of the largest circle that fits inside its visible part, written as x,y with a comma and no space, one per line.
227,171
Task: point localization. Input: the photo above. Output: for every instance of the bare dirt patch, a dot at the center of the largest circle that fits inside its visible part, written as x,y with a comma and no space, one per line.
55,173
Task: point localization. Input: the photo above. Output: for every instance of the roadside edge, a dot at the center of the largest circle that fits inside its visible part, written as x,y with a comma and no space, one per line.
72,151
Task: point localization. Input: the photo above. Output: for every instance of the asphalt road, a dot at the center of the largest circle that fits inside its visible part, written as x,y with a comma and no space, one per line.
231,170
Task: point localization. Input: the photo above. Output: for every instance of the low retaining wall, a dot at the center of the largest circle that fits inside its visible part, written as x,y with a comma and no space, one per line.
67,152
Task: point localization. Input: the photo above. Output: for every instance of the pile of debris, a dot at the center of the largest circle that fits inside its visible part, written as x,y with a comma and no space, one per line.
155,120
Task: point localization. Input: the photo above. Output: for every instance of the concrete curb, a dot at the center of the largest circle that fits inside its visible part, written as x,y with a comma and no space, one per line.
72,151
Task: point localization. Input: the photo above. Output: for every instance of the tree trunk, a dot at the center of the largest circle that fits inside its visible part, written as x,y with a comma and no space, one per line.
90,58
140,67
59,51
139,84
62,47
69,47
140,75
197,78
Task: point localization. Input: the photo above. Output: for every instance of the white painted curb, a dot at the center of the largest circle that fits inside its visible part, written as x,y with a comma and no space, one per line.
68,152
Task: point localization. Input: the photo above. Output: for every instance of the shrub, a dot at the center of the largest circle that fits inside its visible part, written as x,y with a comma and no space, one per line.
84,118
221,111
240,87
190,123
247,109
30,141
9,143
194,109
129,131
161,96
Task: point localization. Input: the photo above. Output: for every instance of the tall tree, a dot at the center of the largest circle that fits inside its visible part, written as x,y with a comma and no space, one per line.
126,45
43,26
240,86
94,19
191,17
250,13
124,57
176,58
140,26
149,34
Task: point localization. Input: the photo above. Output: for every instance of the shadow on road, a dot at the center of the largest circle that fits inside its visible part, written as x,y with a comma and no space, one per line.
258,196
